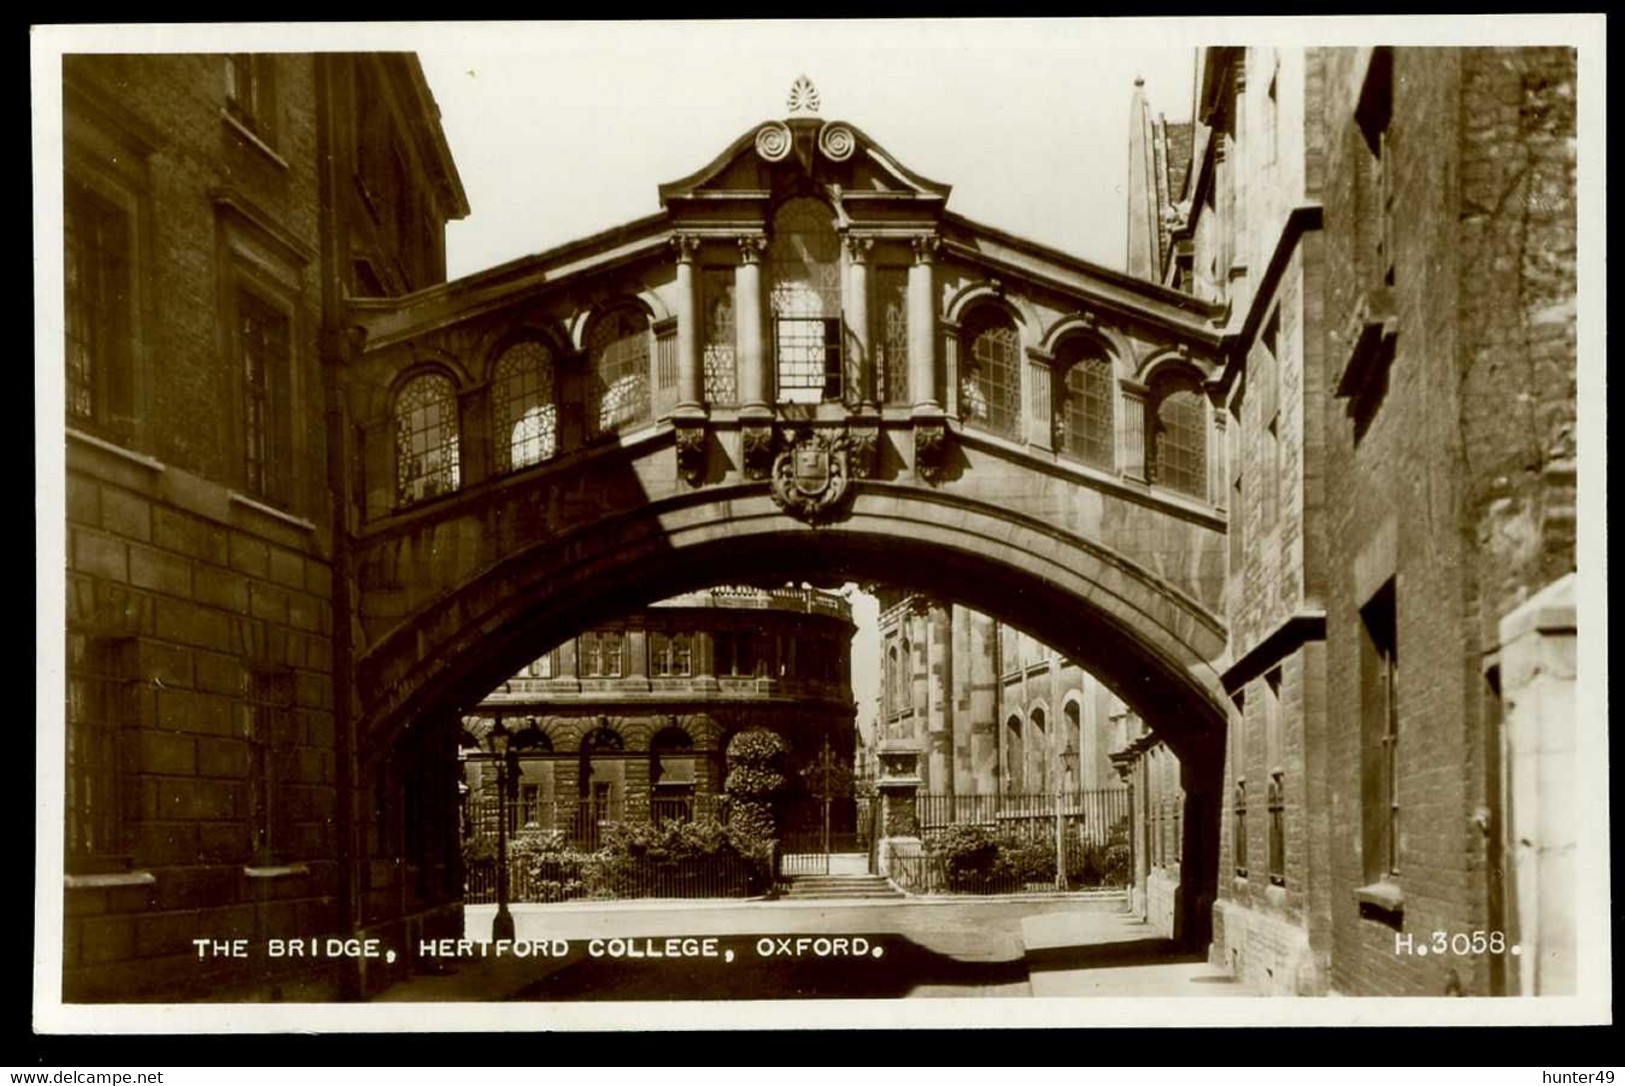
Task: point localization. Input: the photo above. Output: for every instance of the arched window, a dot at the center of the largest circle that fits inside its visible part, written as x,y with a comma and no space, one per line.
1015,767
619,393
804,265
671,776
426,455
1077,774
1038,742
990,372
522,407
1083,411
1179,435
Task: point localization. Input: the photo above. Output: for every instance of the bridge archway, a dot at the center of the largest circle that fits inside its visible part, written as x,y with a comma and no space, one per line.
1150,643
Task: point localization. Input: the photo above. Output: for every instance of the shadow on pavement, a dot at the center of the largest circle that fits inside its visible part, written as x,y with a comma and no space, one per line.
902,966
1128,952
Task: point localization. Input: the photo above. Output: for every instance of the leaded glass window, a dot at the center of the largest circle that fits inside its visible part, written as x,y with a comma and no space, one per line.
522,405
670,654
891,344
1085,417
990,373
96,277
98,686
720,353
426,453
804,266
262,342
599,654
620,372
270,701
1179,433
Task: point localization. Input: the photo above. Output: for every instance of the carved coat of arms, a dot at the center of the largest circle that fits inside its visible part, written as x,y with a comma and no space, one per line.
810,476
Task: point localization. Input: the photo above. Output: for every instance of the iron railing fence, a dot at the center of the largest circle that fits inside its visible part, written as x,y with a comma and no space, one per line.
579,877
1023,871
582,823
1085,815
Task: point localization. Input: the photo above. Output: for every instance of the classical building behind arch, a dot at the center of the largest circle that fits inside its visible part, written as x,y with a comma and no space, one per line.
629,721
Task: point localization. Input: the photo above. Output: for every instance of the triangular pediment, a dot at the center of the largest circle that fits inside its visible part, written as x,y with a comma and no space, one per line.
778,156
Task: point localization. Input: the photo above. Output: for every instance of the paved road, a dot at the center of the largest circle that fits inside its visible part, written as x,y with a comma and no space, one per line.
785,950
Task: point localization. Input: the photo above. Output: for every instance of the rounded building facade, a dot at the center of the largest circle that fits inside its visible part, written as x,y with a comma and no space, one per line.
630,721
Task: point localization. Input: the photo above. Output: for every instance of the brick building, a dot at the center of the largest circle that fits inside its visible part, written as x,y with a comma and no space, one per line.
632,719
1393,233
218,207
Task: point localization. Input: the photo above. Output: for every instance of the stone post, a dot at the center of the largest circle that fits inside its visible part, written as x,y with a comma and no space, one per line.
899,784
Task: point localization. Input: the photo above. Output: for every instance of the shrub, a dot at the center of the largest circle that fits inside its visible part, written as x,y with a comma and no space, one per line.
755,776
970,855
672,860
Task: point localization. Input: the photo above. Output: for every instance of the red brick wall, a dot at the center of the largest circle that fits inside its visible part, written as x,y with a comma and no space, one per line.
1480,388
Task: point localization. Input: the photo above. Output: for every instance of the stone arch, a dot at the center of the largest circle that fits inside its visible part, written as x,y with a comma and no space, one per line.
583,319
495,341
433,361
1161,363
1109,341
987,292
1151,643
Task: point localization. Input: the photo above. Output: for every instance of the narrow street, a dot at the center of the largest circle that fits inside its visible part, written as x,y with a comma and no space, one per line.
814,950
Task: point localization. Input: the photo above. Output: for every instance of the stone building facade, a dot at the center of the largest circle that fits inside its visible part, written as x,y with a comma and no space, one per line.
218,209
992,709
1393,234
631,719
978,698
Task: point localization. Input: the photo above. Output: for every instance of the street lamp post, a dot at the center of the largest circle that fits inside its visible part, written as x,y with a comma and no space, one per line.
502,926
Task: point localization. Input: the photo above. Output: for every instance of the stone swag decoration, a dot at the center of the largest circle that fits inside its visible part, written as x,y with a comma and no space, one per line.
930,449
691,442
811,475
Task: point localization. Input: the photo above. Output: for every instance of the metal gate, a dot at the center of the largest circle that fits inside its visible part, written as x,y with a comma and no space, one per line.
813,830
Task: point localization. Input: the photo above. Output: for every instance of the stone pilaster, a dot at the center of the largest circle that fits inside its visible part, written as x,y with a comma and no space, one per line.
1133,453
984,709
899,785
939,681
1040,399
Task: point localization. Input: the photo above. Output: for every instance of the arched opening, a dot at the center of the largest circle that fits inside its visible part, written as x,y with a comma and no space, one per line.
804,268
1146,642
524,413
1077,771
990,372
601,784
671,776
1015,757
1038,751
618,381
1179,433
1084,391
427,457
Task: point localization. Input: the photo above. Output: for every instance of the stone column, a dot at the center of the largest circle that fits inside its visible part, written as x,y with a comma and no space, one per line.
1134,454
690,393
919,686
1040,399
755,370
856,305
940,684
984,708
922,328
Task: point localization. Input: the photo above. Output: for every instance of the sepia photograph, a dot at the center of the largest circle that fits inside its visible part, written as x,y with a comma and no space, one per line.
703,524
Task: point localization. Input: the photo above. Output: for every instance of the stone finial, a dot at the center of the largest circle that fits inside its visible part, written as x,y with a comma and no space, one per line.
803,97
